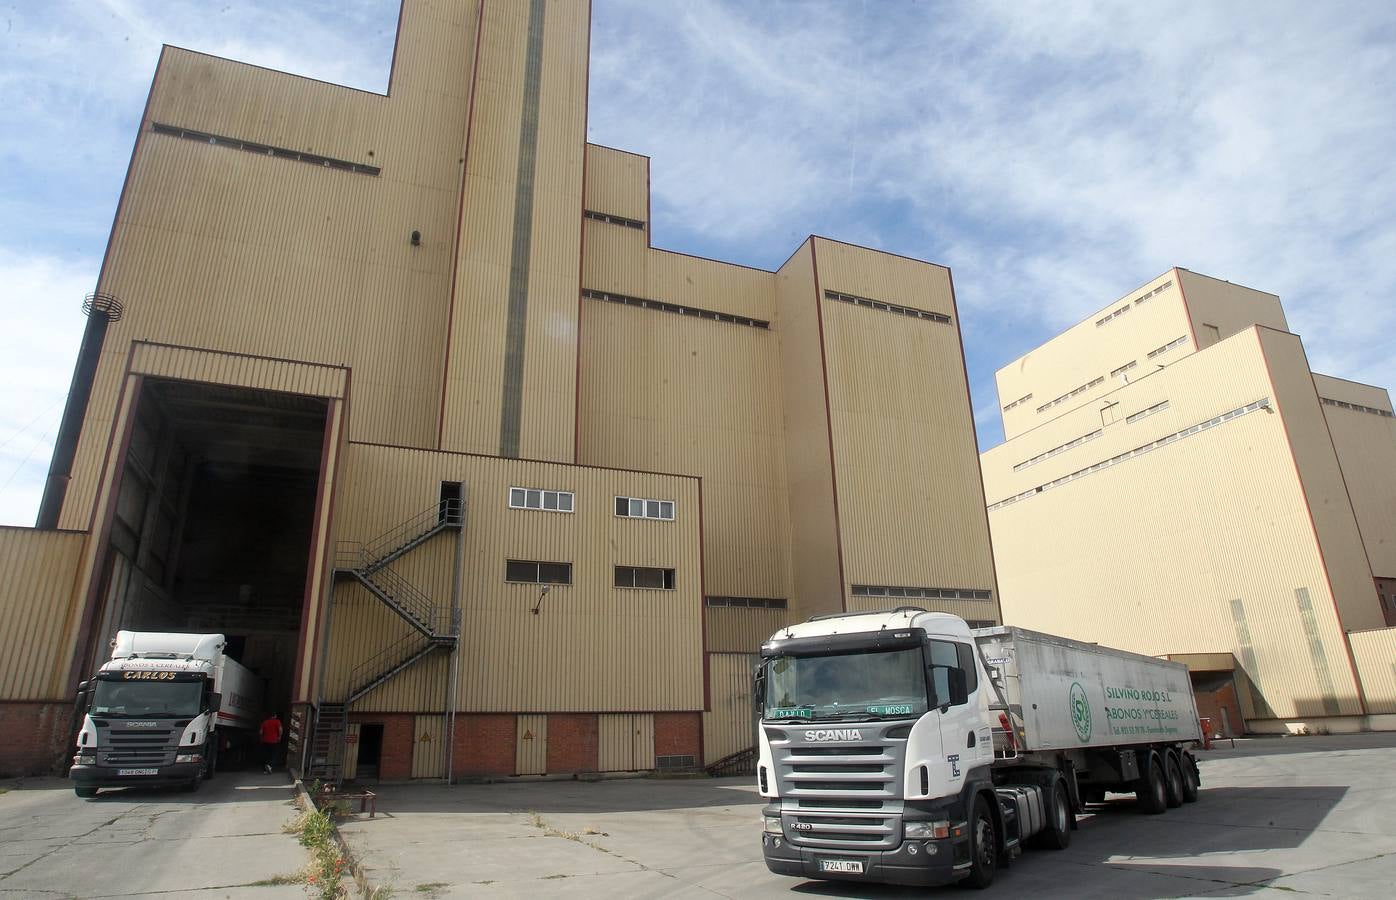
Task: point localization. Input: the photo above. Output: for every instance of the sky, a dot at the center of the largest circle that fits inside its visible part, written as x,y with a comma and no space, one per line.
1054,155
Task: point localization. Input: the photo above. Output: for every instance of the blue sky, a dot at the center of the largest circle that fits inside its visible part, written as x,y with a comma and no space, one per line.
1054,155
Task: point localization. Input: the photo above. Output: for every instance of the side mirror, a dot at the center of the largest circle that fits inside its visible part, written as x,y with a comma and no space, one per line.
758,694
215,702
959,686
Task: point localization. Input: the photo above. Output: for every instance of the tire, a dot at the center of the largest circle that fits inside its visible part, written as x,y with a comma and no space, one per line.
1192,782
1173,779
1092,795
86,792
190,787
210,759
1057,834
983,847
1151,789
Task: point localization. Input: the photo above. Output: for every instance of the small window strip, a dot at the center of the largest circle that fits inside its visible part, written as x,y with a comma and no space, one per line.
1124,368
315,159
893,308
917,593
1019,402
1263,403
1357,407
612,219
1143,298
1171,345
1145,413
676,308
1114,315
1099,379
749,602
1042,457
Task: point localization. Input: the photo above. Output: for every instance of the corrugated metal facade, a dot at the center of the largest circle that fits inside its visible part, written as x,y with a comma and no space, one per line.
510,659
1200,545
1365,441
740,629
37,593
910,494
729,725
214,367
1375,655
1218,309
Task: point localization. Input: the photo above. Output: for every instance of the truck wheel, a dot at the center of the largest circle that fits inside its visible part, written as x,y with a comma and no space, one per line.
210,759
1150,789
86,792
1057,834
190,787
983,847
1192,783
1092,795
1173,775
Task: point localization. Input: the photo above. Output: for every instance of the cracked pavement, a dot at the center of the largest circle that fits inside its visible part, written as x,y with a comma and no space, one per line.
1278,817
146,842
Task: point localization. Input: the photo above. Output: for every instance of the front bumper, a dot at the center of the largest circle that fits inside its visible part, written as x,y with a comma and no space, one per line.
106,776
933,862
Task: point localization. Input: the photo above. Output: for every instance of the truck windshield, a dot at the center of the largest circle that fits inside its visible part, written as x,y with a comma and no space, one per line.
147,698
885,684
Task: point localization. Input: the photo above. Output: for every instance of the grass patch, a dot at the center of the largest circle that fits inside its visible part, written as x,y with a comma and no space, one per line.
431,886
276,880
326,867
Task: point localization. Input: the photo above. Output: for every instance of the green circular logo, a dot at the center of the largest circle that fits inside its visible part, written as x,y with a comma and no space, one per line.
1080,712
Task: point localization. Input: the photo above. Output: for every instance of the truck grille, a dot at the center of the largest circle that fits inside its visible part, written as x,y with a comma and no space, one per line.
842,794
137,748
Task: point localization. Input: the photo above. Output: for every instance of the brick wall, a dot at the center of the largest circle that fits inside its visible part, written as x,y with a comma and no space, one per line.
678,734
484,745
34,737
1210,704
572,743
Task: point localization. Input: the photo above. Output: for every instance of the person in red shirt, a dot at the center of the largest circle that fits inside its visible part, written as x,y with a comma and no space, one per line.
270,740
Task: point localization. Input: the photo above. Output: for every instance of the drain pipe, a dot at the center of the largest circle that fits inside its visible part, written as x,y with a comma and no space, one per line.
101,310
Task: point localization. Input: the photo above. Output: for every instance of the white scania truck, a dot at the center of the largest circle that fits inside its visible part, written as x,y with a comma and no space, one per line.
904,747
160,711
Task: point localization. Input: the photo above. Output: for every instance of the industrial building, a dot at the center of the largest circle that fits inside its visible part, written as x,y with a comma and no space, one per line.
394,391
1175,480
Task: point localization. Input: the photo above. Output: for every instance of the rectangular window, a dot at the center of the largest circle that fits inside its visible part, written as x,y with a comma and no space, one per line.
528,571
641,508
753,602
537,498
893,308
933,593
645,577
1156,408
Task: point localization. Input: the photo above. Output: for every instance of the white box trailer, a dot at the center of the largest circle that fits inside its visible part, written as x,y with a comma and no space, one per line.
1065,694
904,747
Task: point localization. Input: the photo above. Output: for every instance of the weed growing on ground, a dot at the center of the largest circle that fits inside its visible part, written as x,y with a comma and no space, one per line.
326,867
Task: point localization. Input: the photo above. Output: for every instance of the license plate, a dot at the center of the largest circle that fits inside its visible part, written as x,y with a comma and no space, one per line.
854,866
122,772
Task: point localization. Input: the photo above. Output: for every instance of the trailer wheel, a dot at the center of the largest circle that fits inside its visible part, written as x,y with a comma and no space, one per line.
1192,782
1151,789
86,792
983,847
1173,774
1057,834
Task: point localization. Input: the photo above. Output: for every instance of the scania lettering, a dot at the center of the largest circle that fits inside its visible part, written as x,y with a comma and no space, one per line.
161,710
968,745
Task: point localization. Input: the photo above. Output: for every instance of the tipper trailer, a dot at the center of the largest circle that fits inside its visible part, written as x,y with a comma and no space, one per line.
160,710
904,747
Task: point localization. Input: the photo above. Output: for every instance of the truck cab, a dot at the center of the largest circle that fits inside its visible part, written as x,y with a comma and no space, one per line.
874,741
152,714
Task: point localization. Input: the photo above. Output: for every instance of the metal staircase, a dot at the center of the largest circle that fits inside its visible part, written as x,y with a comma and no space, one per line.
435,626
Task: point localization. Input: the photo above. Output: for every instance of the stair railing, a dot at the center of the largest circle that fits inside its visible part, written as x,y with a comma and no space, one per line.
444,514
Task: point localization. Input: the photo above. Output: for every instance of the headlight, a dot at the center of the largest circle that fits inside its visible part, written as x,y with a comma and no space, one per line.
85,759
189,757
772,824
938,829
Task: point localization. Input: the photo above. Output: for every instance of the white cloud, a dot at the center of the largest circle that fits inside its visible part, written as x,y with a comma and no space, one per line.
42,297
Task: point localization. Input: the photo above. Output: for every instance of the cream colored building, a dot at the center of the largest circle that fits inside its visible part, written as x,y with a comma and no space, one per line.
1174,480
401,398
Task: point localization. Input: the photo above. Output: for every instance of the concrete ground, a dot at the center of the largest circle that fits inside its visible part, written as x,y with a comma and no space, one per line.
219,842
1277,817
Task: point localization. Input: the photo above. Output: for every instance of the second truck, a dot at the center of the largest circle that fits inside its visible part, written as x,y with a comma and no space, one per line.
903,747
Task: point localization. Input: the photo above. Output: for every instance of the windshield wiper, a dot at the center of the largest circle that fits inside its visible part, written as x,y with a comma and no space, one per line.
789,719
